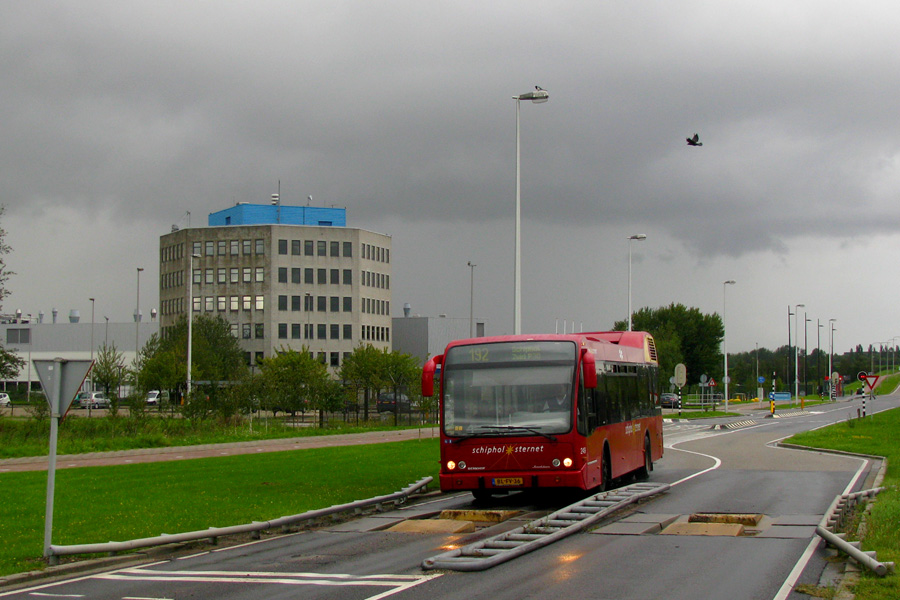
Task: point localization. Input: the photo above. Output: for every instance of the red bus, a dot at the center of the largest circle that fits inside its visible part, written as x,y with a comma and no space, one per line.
546,411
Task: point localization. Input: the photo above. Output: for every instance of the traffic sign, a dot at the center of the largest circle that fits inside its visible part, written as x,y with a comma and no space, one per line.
712,382
61,380
680,375
761,379
871,381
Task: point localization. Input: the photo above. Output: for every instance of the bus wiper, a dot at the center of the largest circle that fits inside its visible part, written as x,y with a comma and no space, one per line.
520,428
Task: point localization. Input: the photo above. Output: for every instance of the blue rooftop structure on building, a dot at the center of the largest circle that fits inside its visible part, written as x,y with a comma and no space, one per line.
270,214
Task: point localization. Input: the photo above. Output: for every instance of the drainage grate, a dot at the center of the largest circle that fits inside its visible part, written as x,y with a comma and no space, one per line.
489,552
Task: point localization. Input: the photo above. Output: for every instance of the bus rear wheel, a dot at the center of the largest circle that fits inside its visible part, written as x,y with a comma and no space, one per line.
606,470
644,472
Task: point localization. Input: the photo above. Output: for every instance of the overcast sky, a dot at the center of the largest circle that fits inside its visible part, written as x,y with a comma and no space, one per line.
120,118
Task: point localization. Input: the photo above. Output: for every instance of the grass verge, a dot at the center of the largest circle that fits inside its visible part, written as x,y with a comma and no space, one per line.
877,434
97,504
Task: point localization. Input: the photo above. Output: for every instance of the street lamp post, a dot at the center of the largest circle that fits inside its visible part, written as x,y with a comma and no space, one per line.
818,356
106,336
190,319
92,343
725,285
472,299
537,97
806,322
137,322
797,352
640,237
830,354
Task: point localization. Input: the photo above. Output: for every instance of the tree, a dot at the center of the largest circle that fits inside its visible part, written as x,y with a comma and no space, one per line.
108,368
399,371
10,362
698,336
295,382
363,369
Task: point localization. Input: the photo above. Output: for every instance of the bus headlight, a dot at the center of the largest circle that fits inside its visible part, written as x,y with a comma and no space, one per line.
567,462
451,465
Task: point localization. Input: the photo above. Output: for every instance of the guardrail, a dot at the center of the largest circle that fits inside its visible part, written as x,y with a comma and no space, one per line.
835,518
213,533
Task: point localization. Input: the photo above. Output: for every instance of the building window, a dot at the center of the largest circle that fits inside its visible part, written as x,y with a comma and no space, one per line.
260,303
260,247
335,249
335,276
248,274
282,274
210,248
282,246
197,276
348,332
260,274
223,247
246,303
308,276
335,332
296,303
196,248
259,357
282,331
247,247
295,247
209,303
321,357
197,300
308,303
235,247
246,331
210,276
322,276
321,331
235,303
348,277
321,248
222,276
348,304
222,302
348,249
295,331
307,331
321,303
235,275
295,275
235,330
335,304
282,302
259,331
335,359
308,247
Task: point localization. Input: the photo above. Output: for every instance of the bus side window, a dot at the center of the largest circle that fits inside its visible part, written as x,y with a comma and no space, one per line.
601,403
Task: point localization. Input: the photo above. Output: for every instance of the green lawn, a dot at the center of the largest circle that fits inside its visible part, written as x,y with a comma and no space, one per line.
99,504
878,435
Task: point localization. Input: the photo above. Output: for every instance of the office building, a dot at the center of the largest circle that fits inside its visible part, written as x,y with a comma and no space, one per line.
283,277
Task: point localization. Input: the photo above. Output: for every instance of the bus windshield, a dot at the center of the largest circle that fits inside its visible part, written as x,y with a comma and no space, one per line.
508,389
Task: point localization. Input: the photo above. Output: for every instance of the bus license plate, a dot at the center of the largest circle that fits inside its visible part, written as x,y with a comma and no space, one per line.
507,481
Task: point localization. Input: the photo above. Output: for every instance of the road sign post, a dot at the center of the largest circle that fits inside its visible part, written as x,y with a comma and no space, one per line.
61,380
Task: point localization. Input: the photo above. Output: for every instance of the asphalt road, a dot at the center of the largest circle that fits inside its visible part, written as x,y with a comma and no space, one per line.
711,470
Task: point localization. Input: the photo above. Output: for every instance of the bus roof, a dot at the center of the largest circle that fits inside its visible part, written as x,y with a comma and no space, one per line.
605,345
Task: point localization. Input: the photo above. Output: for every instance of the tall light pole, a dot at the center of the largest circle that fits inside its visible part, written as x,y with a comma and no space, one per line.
830,354
805,352
472,299
537,97
190,319
92,342
797,351
639,237
818,356
137,322
106,336
725,285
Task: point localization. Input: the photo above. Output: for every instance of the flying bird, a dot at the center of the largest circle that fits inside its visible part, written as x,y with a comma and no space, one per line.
694,141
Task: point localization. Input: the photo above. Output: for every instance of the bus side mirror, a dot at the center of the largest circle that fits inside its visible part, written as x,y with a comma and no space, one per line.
428,375
588,369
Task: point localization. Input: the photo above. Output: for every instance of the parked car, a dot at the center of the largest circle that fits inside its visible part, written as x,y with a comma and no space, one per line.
387,402
4,399
155,397
668,400
91,400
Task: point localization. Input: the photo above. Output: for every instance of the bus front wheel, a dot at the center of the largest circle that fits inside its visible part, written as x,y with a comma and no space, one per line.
644,472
